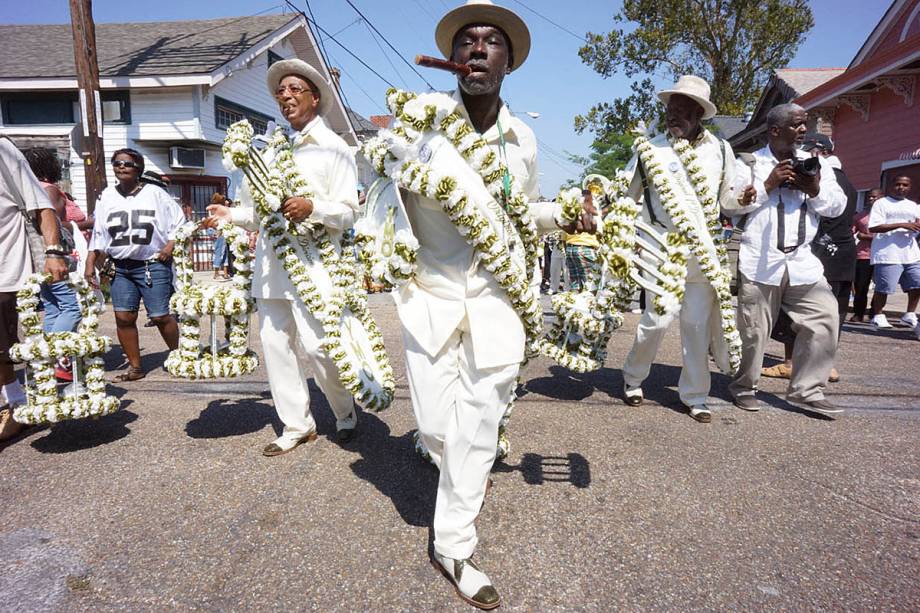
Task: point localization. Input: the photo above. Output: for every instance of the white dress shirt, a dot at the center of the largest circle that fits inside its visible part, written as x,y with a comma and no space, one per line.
328,164
450,283
720,178
759,257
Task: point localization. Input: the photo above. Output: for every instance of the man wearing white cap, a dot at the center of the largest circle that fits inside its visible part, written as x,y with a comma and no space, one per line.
324,159
463,333
686,144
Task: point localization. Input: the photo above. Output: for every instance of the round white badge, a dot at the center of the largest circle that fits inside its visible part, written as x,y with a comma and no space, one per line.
424,153
673,167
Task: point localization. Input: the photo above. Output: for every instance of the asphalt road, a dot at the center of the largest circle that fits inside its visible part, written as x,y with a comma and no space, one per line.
168,504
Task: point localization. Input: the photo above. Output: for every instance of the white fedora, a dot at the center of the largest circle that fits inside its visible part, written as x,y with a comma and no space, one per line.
281,69
484,12
692,87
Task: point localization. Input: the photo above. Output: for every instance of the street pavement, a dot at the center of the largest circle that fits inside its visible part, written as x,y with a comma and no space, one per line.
169,505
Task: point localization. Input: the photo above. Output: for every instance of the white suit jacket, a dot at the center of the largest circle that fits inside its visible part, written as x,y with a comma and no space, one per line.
450,284
329,166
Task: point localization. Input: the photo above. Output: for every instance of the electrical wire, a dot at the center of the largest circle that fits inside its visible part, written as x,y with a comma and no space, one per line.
545,18
396,51
385,55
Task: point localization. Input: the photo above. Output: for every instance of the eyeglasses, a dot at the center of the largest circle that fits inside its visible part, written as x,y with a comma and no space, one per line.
295,90
125,164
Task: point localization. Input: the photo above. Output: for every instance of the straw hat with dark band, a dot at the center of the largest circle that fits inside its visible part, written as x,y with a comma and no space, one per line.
281,69
486,13
694,88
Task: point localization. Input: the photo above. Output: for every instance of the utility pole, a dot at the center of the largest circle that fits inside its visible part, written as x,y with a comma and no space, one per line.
84,55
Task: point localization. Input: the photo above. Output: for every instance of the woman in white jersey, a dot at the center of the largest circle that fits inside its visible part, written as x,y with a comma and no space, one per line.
135,225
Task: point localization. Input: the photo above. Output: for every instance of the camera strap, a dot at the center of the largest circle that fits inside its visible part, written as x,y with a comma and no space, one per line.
781,225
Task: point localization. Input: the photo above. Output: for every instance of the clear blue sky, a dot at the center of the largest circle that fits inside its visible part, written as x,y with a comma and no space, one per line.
553,81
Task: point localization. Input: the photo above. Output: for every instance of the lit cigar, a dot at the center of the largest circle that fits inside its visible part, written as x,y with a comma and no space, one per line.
433,62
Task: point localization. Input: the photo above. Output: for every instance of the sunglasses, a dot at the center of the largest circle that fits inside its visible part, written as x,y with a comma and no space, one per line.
295,90
125,164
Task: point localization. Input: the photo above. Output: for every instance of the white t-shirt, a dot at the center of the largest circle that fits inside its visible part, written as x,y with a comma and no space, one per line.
15,257
897,246
136,227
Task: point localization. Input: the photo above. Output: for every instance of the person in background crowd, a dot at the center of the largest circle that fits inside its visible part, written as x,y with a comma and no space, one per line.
47,167
220,257
59,300
22,201
581,256
895,221
863,275
135,225
777,268
835,247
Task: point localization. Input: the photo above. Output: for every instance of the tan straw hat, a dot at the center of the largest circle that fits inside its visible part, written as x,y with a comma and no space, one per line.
484,12
694,88
281,69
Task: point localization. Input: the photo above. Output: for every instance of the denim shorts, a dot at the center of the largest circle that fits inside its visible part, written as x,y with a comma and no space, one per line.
888,276
130,285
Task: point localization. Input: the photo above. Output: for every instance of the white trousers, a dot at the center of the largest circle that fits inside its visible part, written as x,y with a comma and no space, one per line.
699,316
282,323
556,266
458,408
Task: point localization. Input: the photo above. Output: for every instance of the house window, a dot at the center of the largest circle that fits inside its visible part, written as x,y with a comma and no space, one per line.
227,113
30,108
24,108
273,57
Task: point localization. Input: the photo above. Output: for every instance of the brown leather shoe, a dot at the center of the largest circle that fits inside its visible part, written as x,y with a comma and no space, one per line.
273,449
9,427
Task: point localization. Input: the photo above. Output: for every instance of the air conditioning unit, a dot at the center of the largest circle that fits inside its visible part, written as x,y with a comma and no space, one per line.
182,157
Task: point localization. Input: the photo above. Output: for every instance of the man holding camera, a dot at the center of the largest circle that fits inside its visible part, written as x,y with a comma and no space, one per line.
776,266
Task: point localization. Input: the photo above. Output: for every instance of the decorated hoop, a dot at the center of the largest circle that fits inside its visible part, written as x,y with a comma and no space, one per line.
40,351
232,301
386,244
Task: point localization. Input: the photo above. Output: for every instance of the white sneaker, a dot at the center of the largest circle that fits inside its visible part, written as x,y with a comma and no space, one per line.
909,319
880,322
472,585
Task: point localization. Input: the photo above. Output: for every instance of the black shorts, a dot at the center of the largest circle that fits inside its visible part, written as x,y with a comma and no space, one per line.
9,319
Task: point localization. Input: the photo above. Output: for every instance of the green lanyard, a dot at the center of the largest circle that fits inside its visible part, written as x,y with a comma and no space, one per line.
506,179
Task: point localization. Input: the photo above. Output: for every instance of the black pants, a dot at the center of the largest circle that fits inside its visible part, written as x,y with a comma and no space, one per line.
861,287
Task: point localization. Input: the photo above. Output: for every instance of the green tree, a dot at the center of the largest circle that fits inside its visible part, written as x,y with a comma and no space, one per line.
733,44
610,152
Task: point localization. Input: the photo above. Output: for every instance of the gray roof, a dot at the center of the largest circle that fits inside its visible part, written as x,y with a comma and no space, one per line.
728,125
803,80
135,49
360,123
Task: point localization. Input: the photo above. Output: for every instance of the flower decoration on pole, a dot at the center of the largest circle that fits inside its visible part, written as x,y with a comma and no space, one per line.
323,276
40,351
233,302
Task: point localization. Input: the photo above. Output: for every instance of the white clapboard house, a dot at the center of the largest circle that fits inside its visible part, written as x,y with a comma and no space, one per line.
169,90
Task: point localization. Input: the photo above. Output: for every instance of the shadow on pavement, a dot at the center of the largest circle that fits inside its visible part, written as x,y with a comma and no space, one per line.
390,464
80,434
234,417
537,469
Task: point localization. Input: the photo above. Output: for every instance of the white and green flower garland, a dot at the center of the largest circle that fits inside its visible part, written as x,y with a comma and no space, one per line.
270,185
233,302
391,156
392,261
713,262
40,351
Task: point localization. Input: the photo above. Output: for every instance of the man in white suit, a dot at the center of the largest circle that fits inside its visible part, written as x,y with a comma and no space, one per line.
464,340
325,160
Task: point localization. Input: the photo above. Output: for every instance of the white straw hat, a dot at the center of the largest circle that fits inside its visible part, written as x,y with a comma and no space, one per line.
281,69
695,88
484,12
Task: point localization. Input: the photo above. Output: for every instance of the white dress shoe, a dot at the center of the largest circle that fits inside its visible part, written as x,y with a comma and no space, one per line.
701,413
633,395
284,444
472,584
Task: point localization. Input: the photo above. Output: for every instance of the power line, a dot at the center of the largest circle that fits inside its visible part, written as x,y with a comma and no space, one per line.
410,65
385,55
325,55
336,41
545,18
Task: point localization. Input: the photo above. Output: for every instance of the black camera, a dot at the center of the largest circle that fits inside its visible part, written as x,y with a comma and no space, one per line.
807,167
